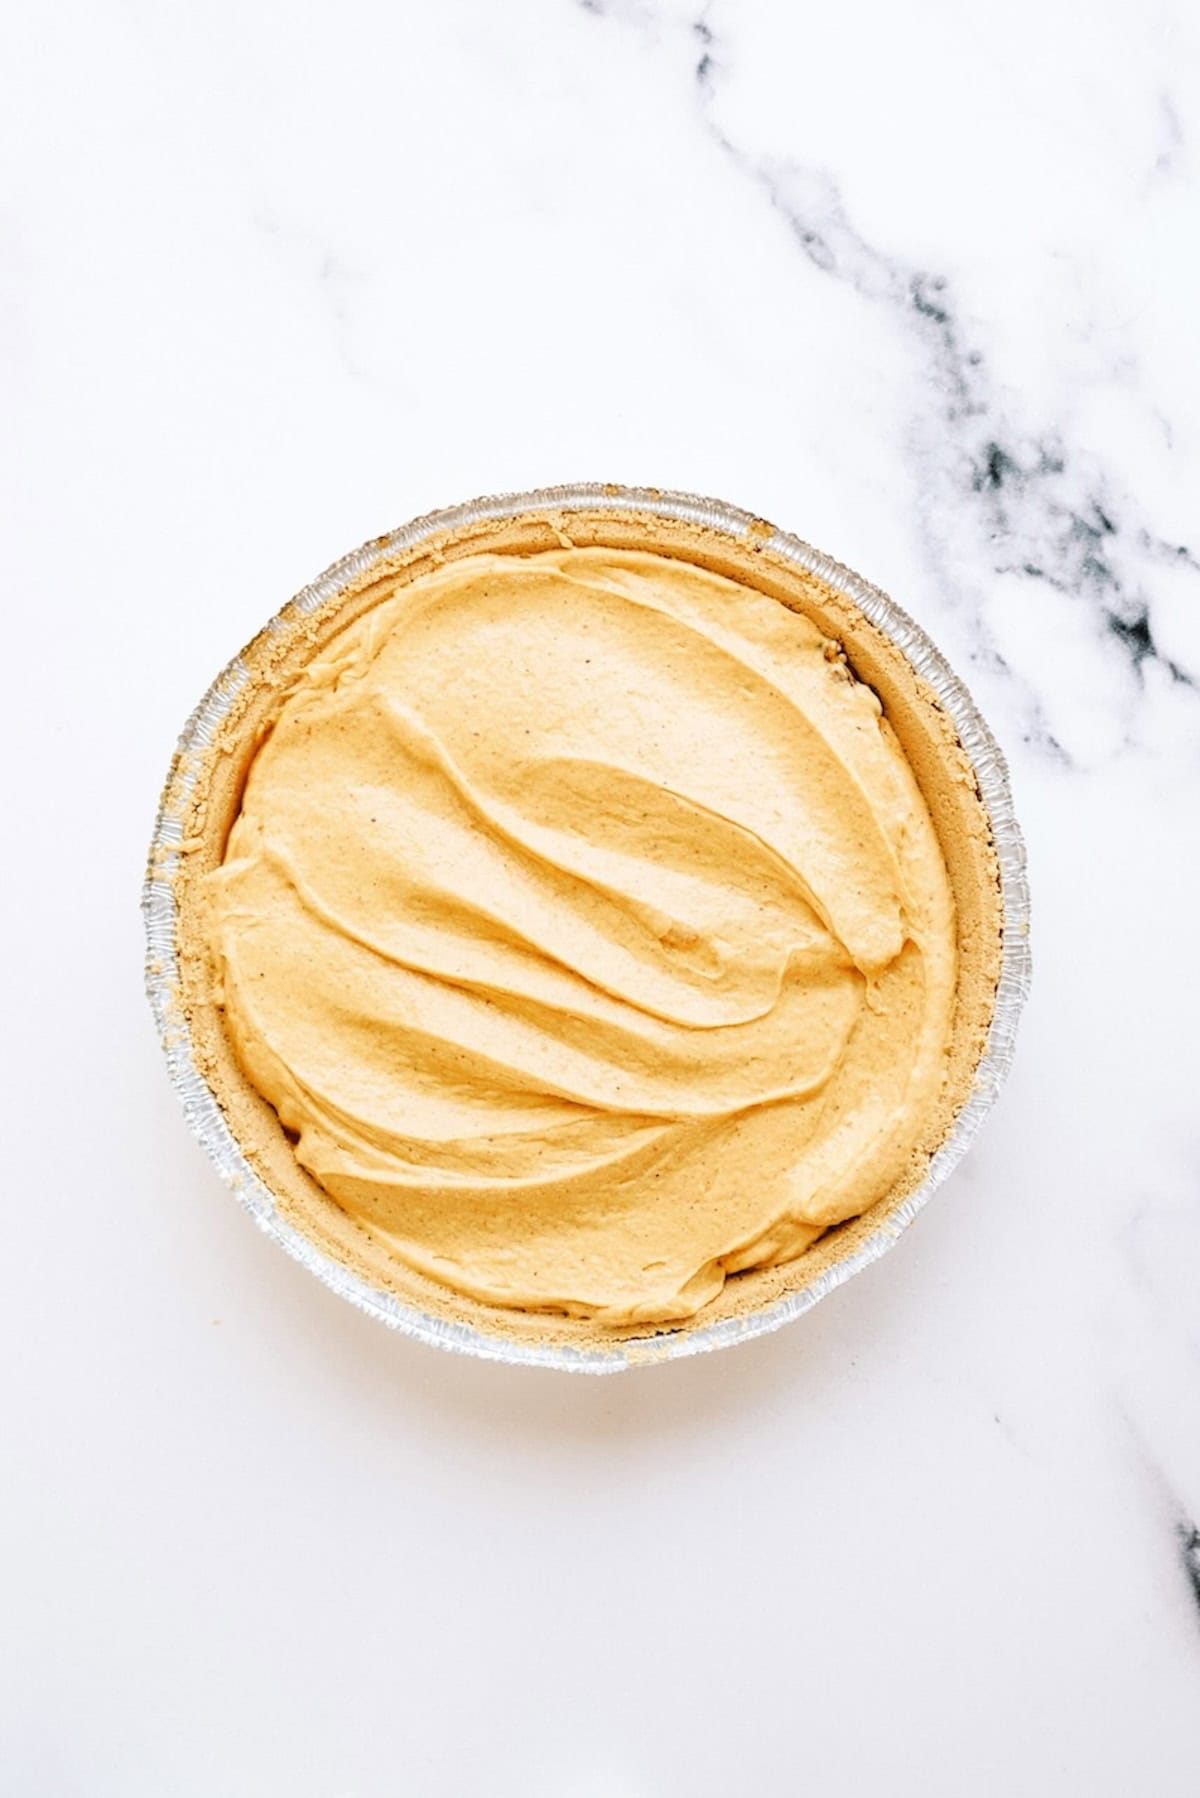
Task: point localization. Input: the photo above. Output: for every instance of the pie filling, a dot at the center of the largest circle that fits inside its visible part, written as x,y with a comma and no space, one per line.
586,928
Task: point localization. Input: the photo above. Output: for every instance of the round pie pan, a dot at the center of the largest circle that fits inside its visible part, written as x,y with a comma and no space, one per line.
207,1119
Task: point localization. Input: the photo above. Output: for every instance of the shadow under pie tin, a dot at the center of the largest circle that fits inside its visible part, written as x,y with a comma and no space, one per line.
760,555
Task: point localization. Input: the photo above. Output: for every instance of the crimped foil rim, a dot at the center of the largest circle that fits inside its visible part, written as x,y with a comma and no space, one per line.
208,1123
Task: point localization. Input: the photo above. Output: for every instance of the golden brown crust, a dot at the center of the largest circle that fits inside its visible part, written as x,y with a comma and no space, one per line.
924,730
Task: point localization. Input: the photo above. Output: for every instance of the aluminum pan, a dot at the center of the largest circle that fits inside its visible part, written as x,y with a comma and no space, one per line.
208,1121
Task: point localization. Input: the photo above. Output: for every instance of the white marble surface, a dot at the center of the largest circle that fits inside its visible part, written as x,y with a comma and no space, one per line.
919,283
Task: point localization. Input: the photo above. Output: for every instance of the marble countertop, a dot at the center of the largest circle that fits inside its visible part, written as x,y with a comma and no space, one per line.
918,283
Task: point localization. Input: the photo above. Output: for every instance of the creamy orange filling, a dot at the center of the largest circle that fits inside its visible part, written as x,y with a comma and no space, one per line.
584,923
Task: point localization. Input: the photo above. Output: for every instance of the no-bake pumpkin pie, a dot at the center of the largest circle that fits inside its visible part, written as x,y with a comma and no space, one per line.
584,920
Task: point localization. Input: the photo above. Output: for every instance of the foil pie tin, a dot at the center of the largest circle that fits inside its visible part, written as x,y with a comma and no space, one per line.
208,1122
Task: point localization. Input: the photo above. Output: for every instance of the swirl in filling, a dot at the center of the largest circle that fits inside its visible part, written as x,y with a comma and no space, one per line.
585,925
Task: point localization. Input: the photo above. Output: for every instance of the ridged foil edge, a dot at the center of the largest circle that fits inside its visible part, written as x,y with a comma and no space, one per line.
208,1123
